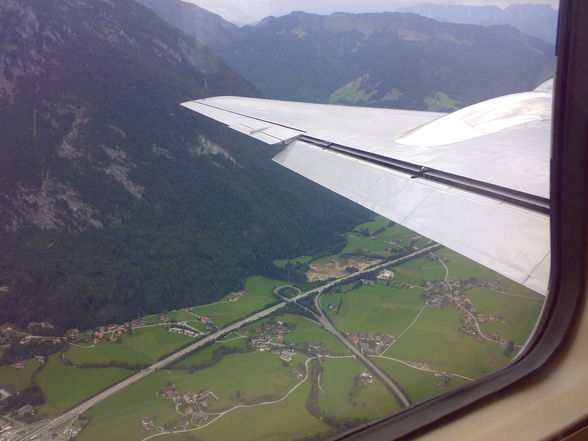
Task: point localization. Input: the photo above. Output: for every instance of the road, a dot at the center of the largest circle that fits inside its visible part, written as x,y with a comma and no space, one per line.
83,407
401,397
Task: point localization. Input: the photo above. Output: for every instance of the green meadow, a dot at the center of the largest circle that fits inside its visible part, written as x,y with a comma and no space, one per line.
520,311
434,339
460,267
180,315
416,271
19,378
374,246
283,421
305,331
398,233
240,379
144,346
120,415
378,223
258,293
418,385
257,378
338,396
374,309
64,386
205,354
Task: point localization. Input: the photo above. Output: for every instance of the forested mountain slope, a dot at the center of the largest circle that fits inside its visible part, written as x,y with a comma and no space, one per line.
387,60
393,60
535,19
114,200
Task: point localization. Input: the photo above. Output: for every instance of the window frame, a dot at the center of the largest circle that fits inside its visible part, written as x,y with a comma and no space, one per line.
569,205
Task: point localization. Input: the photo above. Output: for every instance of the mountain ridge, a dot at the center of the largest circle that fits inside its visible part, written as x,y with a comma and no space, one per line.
538,20
388,59
117,202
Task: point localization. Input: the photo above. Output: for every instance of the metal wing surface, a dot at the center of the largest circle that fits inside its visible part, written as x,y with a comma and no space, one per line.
475,180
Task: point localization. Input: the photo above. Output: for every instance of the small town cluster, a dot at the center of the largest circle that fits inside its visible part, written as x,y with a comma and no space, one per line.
370,344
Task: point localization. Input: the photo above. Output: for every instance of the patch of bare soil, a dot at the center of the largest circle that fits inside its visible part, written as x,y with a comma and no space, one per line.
338,268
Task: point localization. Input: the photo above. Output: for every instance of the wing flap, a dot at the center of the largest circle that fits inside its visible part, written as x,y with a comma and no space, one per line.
264,131
510,240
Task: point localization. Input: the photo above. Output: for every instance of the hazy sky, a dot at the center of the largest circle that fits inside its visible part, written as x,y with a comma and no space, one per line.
249,11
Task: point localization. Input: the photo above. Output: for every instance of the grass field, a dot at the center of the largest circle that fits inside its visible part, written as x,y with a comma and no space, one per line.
417,270
180,315
240,379
145,346
374,246
307,331
374,309
64,386
434,339
258,293
120,415
327,259
520,311
19,378
281,263
418,385
398,233
460,267
205,354
197,325
282,421
336,399
378,223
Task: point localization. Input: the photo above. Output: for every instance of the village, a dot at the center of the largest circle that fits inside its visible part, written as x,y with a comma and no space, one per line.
370,344
437,294
23,341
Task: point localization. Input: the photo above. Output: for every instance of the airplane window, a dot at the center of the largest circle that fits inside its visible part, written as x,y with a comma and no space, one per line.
162,278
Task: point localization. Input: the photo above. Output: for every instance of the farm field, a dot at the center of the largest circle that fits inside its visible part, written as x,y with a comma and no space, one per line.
520,312
180,315
65,386
247,378
422,269
205,354
378,223
460,267
258,293
144,346
374,309
418,385
340,398
120,415
306,331
434,339
19,378
374,246
398,233
283,421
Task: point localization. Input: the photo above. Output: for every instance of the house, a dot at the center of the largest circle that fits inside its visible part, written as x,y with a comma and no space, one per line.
7,391
19,365
27,409
286,355
385,275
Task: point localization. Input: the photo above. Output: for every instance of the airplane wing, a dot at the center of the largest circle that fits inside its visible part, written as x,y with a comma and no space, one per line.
475,180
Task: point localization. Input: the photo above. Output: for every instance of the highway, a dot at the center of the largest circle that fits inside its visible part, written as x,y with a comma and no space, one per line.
402,398
83,407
